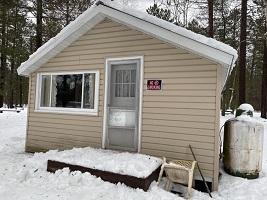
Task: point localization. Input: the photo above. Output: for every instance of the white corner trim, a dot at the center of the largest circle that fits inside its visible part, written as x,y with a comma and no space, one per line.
105,107
141,103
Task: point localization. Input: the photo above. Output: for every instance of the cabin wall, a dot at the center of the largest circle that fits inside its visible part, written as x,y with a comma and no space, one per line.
184,113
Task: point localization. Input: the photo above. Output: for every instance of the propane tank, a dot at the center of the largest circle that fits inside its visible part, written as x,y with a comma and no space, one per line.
243,144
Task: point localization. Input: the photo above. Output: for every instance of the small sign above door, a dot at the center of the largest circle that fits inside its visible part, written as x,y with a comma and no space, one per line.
154,85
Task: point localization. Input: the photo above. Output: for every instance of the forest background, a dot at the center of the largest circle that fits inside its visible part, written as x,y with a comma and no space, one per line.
26,25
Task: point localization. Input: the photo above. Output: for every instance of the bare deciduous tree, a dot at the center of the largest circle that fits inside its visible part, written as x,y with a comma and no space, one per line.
179,10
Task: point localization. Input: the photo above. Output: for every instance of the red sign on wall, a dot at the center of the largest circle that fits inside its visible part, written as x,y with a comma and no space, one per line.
154,85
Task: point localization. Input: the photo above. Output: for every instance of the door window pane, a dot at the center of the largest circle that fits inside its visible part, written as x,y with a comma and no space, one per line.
119,76
133,76
126,90
126,76
118,90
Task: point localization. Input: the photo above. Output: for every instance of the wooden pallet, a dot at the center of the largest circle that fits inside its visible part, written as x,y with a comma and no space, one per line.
131,181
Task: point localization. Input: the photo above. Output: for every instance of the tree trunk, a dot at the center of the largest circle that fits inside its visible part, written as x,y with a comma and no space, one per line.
3,57
20,92
210,5
12,65
264,86
39,24
67,14
242,54
264,80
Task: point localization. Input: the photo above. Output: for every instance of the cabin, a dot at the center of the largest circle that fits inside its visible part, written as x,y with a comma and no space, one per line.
118,78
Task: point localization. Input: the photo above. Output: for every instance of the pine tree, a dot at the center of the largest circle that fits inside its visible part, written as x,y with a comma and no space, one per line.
161,13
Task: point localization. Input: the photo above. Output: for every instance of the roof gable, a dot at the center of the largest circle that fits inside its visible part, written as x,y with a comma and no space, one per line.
150,25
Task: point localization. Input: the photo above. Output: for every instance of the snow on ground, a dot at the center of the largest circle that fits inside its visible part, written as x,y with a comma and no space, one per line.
23,176
138,165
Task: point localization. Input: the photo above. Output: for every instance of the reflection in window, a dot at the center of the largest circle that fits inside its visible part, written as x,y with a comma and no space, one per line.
67,91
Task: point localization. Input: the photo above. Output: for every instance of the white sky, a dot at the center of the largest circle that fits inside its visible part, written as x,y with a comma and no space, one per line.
137,4
144,4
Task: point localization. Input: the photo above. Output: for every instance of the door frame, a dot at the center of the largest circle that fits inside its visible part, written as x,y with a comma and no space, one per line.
123,60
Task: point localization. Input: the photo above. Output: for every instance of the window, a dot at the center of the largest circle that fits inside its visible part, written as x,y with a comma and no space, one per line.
125,83
68,91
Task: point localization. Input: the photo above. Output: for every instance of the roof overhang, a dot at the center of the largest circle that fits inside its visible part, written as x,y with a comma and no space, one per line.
148,25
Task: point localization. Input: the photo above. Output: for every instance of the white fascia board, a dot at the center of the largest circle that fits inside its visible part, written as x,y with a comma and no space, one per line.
168,36
55,45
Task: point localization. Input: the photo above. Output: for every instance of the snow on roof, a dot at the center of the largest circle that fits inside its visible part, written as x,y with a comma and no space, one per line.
148,24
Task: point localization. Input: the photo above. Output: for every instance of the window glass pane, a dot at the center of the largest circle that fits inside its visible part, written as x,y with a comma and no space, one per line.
67,91
89,91
133,76
119,76
132,90
118,90
54,92
45,91
126,76
126,90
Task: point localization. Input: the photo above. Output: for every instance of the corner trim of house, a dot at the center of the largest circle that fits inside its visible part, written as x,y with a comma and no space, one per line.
217,129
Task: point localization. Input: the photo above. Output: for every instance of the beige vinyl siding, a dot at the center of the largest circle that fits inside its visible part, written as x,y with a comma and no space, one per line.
183,113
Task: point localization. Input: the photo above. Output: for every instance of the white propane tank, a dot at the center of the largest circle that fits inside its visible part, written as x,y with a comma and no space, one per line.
243,145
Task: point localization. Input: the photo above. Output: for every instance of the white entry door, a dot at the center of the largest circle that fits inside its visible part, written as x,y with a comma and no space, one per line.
122,123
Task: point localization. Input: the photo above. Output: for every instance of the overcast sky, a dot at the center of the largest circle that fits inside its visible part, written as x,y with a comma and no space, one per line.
138,4
144,4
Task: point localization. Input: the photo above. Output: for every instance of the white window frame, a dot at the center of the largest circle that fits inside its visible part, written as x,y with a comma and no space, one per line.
93,111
